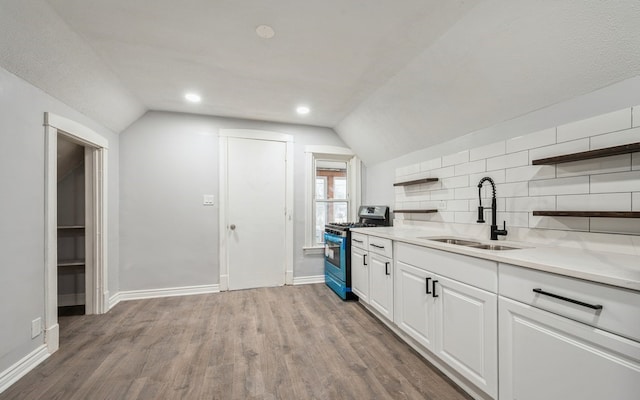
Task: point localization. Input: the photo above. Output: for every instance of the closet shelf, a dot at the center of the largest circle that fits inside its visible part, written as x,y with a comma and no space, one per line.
63,227
587,155
597,214
416,182
71,263
415,211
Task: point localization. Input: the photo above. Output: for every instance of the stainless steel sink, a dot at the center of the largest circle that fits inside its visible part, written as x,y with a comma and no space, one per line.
459,242
470,243
494,247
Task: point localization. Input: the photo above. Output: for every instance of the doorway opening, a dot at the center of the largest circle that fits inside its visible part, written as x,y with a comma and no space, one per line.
75,222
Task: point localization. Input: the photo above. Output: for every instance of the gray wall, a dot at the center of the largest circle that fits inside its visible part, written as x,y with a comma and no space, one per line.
22,199
168,161
378,186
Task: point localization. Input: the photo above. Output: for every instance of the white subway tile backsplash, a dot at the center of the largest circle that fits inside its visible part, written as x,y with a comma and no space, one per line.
615,225
431,164
528,204
456,158
595,166
616,182
615,139
594,202
559,186
455,182
486,151
466,193
602,184
517,189
441,173
498,176
559,149
559,223
470,167
530,173
532,140
605,123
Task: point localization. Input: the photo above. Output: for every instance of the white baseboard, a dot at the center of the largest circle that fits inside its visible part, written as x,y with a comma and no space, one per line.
165,292
304,280
9,376
52,338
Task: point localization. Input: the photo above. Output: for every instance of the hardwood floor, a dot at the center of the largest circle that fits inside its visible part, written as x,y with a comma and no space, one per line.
293,342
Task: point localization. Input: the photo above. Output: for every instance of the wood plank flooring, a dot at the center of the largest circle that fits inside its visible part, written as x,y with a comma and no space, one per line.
292,342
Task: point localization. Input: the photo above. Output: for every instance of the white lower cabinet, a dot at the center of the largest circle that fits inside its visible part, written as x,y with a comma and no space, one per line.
545,356
565,338
360,274
381,280
454,320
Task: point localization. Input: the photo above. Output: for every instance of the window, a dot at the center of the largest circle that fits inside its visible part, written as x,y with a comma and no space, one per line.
333,190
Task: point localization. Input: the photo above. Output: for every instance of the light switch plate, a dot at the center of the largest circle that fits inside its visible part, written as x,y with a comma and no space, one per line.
208,199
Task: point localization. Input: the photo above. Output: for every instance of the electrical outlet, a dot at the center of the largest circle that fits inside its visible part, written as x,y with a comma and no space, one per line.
208,199
442,205
36,327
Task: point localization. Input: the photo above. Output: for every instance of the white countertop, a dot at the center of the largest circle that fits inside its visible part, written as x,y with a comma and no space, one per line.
620,270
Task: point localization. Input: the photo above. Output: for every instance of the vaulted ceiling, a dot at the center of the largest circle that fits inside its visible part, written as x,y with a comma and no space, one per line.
389,76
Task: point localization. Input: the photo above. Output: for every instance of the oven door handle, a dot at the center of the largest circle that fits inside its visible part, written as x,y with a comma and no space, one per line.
333,238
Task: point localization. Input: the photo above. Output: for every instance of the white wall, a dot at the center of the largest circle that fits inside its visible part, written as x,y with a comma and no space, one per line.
168,161
22,149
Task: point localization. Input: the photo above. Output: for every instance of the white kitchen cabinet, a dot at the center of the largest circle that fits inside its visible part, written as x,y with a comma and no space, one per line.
360,274
414,304
381,279
454,320
565,338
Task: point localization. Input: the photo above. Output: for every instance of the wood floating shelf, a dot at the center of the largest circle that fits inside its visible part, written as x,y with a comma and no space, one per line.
587,155
415,211
416,182
596,214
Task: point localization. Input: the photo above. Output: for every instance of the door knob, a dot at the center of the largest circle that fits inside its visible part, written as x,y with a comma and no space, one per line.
232,227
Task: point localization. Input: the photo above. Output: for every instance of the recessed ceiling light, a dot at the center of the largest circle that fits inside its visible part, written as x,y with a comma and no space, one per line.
265,31
302,110
193,97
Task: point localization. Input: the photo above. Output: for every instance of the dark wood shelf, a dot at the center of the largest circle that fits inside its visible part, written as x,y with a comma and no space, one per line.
597,214
587,155
415,211
65,227
416,182
71,263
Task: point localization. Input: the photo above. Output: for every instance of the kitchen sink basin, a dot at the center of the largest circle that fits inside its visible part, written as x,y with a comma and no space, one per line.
470,243
493,247
459,242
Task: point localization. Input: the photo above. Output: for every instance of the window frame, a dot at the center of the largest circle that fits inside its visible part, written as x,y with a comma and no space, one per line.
354,190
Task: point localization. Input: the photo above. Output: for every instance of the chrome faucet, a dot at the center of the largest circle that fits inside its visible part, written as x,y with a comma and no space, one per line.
494,226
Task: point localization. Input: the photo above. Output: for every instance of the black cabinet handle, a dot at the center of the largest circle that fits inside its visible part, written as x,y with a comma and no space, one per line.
556,296
364,259
386,268
356,240
434,288
376,246
426,281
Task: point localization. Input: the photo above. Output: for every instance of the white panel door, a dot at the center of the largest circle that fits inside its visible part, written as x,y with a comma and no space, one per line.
414,303
467,331
545,356
256,185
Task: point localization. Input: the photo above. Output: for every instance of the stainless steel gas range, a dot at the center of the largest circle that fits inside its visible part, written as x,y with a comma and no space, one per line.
337,248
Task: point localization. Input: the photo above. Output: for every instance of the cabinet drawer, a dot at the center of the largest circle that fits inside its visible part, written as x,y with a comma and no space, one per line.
359,240
473,271
381,246
609,308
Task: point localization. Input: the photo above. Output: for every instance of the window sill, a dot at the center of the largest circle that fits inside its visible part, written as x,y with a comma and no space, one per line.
312,250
